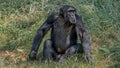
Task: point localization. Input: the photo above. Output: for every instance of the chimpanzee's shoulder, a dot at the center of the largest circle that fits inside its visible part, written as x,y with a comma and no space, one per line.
54,15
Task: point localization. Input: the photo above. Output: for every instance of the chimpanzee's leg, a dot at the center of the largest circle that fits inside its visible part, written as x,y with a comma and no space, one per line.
48,50
71,50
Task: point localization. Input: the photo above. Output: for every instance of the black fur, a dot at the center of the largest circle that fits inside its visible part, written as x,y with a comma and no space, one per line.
66,26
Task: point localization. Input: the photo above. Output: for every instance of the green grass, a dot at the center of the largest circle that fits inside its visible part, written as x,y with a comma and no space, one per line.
20,19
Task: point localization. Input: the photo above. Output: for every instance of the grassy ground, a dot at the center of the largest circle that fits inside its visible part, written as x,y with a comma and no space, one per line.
19,20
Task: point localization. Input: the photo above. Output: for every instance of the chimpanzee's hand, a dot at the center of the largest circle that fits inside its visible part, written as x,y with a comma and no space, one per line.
32,55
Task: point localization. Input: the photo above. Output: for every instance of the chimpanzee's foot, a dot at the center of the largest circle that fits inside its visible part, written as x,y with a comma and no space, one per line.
89,59
61,59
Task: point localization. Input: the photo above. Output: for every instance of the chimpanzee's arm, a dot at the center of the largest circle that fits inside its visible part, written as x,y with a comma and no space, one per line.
42,31
84,37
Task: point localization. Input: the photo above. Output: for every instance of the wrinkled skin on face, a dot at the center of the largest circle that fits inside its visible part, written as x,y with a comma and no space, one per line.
69,14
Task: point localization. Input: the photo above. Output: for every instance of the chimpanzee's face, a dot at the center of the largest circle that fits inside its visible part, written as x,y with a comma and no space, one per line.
68,13
71,15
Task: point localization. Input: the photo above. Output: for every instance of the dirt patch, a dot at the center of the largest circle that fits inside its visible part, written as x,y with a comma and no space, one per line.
13,56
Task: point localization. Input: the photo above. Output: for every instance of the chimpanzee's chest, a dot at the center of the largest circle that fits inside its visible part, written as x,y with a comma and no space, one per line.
61,36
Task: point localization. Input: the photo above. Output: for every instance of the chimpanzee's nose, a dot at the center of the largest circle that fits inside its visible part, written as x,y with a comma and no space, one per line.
72,15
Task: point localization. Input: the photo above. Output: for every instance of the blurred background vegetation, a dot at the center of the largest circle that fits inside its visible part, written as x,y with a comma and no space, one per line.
20,19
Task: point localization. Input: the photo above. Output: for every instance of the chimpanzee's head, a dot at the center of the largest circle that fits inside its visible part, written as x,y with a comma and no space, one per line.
68,12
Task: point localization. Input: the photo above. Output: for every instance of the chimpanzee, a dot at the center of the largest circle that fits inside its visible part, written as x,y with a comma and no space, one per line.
66,26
